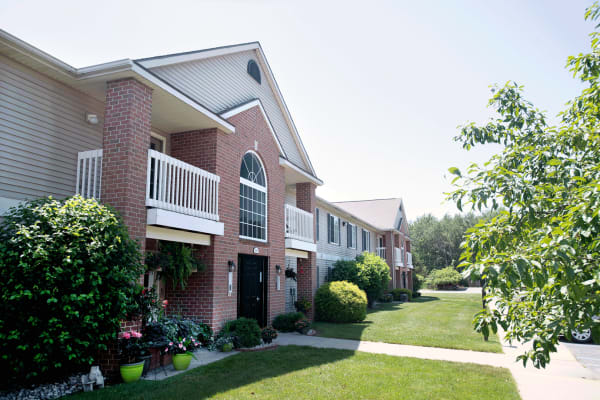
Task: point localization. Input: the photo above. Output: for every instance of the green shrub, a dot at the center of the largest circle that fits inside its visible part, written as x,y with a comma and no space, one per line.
369,272
443,278
246,330
596,334
285,322
67,273
398,292
417,281
340,301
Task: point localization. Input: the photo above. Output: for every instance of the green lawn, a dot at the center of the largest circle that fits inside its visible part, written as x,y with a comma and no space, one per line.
294,372
436,320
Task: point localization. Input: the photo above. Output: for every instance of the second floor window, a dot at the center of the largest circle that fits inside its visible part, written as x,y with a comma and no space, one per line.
253,198
317,216
333,229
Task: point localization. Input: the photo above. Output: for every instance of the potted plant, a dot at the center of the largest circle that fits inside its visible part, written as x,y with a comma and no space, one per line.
303,306
182,351
268,334
131,348
302,326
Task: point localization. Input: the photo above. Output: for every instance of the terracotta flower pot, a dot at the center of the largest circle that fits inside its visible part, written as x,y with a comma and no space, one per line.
182,361
132,372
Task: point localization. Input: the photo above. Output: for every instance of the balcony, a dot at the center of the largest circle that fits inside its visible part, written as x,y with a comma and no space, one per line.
398,257
178,195
381,252
299,229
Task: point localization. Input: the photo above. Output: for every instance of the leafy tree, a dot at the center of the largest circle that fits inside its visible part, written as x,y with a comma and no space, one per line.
539,256
369,272
435,243
67,276
441,278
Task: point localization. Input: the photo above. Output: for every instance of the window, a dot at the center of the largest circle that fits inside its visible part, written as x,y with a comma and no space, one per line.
253,199
317,214
351,235
253,70
333,229
366,240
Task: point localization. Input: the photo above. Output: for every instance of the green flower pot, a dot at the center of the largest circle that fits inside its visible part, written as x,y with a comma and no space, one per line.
132,372
182,361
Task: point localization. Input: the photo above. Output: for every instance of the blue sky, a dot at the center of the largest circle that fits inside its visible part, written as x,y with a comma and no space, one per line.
376,88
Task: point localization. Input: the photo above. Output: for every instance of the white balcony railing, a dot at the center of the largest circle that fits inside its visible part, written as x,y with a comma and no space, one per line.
89,173
398,259
171,184
409,259
381,252
298,224
180,187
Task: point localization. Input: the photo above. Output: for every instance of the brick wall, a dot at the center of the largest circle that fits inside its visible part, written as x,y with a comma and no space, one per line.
125,145
215,151
126,138
307,267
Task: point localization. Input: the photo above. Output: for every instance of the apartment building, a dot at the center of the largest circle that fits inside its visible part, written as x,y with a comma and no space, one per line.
198,148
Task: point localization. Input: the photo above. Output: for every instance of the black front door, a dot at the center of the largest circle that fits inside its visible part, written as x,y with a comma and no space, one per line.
252,290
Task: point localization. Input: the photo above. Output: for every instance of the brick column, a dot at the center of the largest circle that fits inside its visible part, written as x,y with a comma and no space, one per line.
389,257
307,267
125,145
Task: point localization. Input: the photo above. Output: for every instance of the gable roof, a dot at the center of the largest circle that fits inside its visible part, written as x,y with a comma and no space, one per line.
382,213
162,63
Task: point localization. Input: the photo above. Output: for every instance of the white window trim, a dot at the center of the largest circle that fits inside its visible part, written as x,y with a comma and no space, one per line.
261,189
339,233
353,230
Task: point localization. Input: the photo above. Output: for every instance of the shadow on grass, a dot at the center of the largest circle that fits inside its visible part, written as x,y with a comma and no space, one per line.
227,374
425,299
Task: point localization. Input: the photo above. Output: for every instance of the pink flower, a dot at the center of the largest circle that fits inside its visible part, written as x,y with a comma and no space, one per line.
136,334
170,343
180,345
166,350
126,335
183,348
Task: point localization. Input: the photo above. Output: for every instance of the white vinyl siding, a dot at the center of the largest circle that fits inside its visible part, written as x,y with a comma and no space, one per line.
221,83
42,128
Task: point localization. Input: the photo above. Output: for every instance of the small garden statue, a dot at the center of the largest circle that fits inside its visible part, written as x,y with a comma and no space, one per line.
93,378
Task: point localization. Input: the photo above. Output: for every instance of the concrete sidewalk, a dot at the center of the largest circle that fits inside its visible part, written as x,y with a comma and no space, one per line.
563,378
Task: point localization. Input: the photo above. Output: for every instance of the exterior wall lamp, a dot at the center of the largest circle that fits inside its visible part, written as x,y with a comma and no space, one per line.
278,278
231,266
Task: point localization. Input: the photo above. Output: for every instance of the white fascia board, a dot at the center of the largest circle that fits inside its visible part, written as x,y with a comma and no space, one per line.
249,105
175,235
287,164
161,61
300,245
171,219
288,116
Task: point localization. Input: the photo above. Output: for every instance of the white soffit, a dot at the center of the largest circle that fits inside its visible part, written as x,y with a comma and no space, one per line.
296,253
175,235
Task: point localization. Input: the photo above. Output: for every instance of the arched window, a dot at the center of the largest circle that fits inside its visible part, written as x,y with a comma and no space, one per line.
253,198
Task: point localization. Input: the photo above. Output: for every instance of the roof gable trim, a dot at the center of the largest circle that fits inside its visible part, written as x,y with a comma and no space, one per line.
248,105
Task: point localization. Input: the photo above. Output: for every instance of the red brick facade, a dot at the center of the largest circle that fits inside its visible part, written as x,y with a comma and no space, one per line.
205,295
307,267
125,152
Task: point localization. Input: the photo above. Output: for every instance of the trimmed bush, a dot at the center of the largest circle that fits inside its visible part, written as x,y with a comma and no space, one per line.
67,278
369,272
386,298
398,292
340,301
285,322
246,330
443,278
